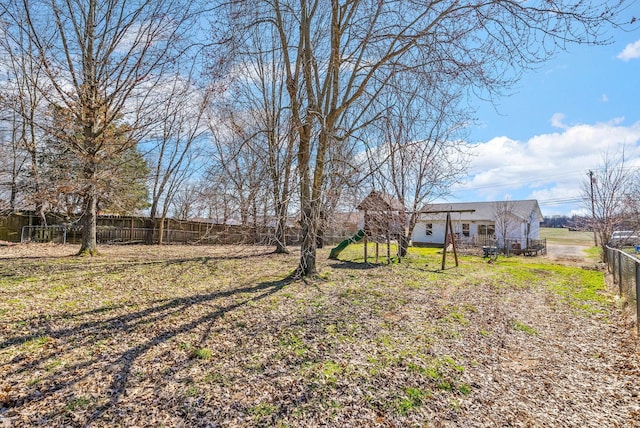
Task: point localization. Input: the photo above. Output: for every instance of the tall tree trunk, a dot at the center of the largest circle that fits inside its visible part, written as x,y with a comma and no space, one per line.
309,220
311,200
160,228
281,227
89,244
37,188
14,194
151,223
405,239
310,226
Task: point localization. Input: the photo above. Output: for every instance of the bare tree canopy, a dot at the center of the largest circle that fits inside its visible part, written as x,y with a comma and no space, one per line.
174,145
610,193
20,103
308,87
101,59
340,56
422,151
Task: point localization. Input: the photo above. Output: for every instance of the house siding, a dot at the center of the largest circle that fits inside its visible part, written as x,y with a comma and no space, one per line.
420,236
437,237
517,230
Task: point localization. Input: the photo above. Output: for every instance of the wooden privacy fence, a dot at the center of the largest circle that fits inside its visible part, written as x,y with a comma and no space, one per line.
625,270
10,226
216,234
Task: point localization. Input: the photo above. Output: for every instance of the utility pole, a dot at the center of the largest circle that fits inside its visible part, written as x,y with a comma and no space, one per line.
593,210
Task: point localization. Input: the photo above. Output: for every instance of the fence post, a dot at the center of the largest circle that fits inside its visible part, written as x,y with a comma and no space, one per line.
637,297
620,273
612,265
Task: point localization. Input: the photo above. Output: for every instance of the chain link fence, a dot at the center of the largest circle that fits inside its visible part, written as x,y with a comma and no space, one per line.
625,270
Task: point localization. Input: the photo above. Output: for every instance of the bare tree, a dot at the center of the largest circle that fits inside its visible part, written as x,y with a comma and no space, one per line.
22,104
260,100
13,161
507,225
101,59
186,202
174,147
339,56
609,193
215,197
423,152
236,164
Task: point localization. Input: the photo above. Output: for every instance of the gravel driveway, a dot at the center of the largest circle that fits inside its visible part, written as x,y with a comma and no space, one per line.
567,252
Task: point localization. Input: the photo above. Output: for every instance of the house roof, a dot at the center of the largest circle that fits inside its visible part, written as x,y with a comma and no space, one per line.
484,210
380,201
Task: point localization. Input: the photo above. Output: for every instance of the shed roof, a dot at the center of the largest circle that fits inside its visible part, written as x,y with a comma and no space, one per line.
485,210
380,201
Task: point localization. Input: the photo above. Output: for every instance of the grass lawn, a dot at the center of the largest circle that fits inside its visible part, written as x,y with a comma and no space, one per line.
215,336
566,236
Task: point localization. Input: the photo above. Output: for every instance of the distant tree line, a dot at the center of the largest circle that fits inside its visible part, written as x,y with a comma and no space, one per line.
574,222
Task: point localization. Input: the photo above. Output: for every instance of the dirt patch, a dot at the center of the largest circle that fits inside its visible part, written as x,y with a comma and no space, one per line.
567,252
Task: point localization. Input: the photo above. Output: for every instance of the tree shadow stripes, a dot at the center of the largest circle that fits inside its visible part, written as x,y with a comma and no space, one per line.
121,367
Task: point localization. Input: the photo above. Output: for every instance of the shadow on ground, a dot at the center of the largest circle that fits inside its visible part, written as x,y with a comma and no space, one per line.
160,313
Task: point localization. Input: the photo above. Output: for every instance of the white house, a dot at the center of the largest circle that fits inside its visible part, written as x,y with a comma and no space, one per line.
480,223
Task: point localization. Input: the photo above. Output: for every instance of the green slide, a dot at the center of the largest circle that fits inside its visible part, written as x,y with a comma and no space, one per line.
341,246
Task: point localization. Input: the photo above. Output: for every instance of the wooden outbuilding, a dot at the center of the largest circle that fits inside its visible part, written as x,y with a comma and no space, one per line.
385,220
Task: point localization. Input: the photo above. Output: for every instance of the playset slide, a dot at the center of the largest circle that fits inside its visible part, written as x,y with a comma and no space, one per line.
341,246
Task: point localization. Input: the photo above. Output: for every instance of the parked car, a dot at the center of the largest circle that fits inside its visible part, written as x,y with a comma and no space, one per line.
621,238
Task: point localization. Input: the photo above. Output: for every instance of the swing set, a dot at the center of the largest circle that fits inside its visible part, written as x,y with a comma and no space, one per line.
384,221
449,237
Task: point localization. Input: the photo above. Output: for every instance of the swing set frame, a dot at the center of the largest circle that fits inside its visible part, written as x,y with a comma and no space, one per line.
448,234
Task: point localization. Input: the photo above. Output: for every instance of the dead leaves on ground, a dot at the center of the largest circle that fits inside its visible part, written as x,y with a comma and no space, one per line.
212,336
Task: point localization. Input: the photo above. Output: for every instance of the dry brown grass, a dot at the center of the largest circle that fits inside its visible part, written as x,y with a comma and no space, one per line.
215,336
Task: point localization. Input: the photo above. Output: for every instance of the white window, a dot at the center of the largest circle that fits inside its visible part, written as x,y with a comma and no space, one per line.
486,230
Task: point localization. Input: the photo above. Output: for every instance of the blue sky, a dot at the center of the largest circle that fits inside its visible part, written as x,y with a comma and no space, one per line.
557,125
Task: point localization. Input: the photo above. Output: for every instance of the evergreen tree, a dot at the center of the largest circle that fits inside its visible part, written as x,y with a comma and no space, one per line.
117,173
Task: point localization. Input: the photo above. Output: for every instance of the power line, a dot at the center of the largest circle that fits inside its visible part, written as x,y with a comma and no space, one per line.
565,201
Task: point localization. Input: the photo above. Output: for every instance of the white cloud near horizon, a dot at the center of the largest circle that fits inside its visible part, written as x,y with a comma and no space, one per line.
548,167
631,51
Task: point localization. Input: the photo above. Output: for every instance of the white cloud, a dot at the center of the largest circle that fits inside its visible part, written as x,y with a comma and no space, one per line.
557,121
579,212
605,98
548,167
631,51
